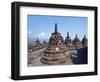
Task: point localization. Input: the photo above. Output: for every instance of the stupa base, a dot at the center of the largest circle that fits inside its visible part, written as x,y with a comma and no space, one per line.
58,62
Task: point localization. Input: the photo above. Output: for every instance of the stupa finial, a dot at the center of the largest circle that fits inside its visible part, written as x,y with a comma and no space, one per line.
84,36
67,34
56,30
76,35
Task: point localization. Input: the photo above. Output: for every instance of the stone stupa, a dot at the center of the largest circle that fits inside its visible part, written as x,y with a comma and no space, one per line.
77,43
68,42
84,41
37,45
56,51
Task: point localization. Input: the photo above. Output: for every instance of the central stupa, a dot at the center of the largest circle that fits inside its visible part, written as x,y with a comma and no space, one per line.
56,51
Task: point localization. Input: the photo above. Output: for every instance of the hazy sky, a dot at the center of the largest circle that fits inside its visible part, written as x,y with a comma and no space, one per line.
43,26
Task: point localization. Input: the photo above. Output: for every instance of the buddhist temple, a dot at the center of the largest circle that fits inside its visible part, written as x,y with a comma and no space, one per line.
56,51
68,42
37,45
38,42
44,42
77,43
84,41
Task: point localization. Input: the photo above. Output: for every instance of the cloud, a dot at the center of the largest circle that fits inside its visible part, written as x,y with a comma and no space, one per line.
29,32
41,35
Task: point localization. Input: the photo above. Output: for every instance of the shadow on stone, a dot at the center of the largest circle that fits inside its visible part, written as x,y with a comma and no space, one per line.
82,56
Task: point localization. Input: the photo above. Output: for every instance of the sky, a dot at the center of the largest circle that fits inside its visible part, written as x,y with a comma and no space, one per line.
41,27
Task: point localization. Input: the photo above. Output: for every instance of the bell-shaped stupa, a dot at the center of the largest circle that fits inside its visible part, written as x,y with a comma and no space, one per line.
84,41
77,43
68,42
56,51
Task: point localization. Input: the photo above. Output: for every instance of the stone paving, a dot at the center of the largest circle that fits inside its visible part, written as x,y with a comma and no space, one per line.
36,61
